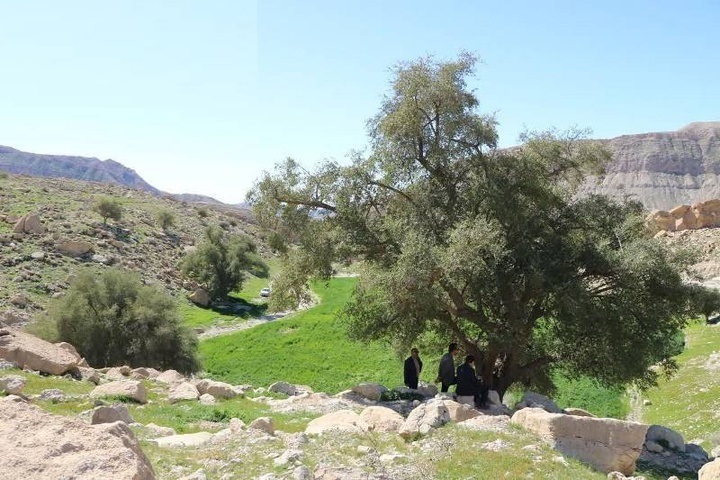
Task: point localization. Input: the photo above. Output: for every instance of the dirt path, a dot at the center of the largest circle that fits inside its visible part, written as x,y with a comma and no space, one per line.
217,330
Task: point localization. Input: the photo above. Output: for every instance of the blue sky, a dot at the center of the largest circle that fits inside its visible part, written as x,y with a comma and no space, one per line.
201,96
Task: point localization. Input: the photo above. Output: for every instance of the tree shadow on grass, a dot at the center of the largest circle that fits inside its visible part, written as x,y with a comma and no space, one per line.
239,307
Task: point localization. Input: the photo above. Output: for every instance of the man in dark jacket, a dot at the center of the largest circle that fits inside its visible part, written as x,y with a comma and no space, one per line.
446,370
469,385
413,367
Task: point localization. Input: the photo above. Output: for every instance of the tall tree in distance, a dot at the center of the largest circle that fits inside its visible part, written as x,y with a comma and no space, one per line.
221,262
489,248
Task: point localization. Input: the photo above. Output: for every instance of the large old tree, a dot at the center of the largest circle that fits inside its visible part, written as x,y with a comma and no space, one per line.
486,247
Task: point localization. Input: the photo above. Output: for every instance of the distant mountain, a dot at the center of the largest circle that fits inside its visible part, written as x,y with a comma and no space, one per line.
64,166
89,169
664,169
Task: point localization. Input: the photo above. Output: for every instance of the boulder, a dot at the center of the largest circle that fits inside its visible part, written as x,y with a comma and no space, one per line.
371,391
710,471
207,399
122,388
73,248
115,373
216,389
89,374
70,349
487,423
606,444
424,418
666,437
170,377
183,391
283,388
37,444
29,223
264,424
110,414
28,351
340,420
427,390
460,412
140,373
382,419
200,297
12,384
535,400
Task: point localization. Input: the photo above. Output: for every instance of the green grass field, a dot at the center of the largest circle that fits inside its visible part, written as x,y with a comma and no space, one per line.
310,348
689,401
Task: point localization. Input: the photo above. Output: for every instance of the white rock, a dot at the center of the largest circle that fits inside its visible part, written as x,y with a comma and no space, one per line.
124,388
186,440
12,384
182,391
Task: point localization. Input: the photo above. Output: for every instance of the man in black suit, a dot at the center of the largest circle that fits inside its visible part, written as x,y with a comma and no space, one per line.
413,367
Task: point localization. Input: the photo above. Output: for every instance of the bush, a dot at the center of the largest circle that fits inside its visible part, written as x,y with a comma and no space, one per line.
203,212
165,218
113,319
220,262
108,207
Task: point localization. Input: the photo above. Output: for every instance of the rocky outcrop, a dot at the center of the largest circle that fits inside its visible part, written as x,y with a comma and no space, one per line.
28,351
663,169
685,217
36,444
606,444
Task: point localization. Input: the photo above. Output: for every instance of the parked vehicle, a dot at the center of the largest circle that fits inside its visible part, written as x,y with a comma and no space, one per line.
265,292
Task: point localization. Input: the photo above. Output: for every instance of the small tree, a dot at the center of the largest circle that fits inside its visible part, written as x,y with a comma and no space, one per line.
221,262
165,218
113,319
108,207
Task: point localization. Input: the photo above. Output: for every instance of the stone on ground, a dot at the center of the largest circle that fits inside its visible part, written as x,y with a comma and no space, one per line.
123,388
110,414
424,418
183,391
382,419
12,384
216,389
341,420
371,391
28,351
186,440
37,444
605,443
264,424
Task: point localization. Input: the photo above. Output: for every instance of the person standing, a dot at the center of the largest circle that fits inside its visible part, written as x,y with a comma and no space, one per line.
413,367
446,370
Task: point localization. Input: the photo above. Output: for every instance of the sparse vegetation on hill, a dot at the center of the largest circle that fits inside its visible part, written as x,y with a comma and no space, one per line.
35,267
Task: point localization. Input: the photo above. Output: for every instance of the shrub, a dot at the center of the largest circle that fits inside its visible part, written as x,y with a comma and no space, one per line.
108,207
165,218
203,212
113,319
220,262
3,175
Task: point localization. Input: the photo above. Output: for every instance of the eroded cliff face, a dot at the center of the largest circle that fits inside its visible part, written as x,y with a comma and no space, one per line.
664,169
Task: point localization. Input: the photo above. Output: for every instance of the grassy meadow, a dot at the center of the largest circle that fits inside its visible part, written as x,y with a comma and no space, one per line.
689,401
309,347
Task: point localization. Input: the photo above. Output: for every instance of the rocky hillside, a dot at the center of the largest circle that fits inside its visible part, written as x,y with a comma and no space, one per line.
664,169
37,265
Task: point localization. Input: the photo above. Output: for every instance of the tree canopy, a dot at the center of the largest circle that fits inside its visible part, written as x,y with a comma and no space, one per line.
113,319
221,262
488,247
